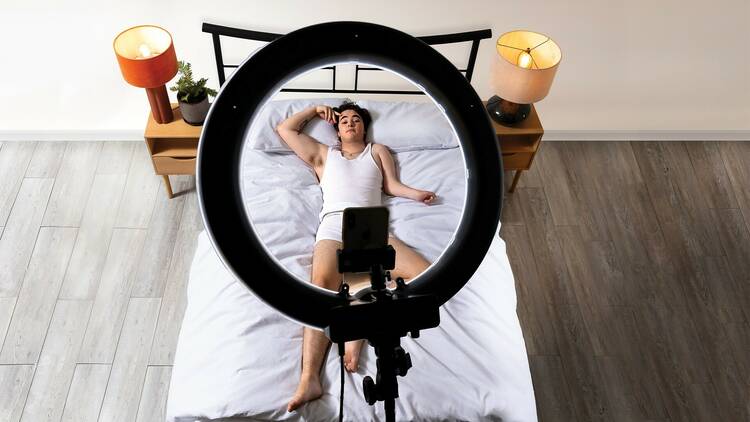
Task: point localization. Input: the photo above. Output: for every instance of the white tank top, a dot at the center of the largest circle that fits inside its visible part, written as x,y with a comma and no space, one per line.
350,183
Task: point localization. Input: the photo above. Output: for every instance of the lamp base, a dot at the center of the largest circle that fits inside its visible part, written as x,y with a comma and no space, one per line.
161,109
506,112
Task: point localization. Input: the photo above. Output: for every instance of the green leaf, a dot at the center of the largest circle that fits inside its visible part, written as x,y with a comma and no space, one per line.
188,90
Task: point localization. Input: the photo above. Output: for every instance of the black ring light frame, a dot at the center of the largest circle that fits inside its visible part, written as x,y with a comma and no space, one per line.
262,75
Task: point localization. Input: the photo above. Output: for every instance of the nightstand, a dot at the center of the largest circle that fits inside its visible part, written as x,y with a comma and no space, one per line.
519,144
173,146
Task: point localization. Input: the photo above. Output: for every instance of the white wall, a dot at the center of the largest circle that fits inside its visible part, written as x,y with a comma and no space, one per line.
630,69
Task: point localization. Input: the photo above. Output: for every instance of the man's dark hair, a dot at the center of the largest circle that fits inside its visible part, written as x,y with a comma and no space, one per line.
363,113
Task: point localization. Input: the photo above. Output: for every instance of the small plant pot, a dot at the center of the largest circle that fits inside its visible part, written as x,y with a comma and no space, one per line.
194,113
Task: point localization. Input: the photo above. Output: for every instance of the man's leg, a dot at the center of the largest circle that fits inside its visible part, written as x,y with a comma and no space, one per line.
409,264
314,342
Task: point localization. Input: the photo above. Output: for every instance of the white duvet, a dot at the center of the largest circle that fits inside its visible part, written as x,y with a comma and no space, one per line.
237,357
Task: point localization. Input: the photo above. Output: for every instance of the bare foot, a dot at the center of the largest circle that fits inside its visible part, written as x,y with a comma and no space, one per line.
308,389
351,356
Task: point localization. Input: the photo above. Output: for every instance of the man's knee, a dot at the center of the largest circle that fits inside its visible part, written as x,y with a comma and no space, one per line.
330,282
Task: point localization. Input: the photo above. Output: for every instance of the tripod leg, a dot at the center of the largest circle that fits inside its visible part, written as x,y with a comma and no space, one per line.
390,409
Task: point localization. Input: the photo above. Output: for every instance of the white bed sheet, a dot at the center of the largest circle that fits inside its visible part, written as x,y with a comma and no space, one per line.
237,356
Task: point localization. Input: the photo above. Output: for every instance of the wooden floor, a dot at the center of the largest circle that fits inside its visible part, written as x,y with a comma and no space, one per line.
632,265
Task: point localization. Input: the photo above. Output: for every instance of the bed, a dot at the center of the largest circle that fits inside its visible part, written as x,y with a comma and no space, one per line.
238,359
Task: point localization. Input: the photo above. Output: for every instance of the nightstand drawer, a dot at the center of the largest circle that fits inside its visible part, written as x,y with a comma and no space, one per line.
174,165
519,143
517,160
174,147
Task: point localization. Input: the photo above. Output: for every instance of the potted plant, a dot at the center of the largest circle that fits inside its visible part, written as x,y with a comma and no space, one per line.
192,96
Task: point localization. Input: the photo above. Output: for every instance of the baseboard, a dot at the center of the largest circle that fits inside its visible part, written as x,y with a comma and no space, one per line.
647,135
71,135
549,135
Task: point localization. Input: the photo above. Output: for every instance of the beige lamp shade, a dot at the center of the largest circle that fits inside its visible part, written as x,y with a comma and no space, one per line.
524,66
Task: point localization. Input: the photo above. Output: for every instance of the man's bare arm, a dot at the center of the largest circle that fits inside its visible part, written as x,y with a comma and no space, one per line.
306,147
392,185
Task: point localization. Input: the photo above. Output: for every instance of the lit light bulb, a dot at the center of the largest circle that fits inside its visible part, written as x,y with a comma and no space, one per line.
144,52
524,60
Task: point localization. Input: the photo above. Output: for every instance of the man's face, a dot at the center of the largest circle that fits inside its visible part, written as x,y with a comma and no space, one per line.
350,125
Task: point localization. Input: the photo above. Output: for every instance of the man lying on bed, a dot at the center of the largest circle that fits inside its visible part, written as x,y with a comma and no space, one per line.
356,172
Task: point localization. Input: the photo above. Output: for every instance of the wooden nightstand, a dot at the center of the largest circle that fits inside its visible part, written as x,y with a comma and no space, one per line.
519,144
173,146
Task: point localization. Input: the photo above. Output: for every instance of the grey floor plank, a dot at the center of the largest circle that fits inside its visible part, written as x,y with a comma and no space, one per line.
532,303
140,191
90,252
552,396
593,293
86,393
14,159
532,178
735,240
589,400
150,276
547,249
20,233
716,291
728,387
626,364
173,301
72,184
38,295
111,301
131,360
620,398
711,174
677,196
15,381
738,337
512,215
736,156
46,159
569,191
7,304
115,157
666,369
153,404
57,362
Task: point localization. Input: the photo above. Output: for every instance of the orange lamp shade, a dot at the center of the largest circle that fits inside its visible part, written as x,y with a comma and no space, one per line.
146,56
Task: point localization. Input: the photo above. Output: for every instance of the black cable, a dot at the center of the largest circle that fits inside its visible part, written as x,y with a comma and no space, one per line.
341,397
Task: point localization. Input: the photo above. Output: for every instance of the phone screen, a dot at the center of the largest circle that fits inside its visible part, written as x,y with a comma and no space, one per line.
365,228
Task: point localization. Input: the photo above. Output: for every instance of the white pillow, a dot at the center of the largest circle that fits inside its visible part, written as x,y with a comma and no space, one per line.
404,126
401,126
263,136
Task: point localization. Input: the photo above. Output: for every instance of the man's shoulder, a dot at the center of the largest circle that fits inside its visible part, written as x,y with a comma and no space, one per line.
379,148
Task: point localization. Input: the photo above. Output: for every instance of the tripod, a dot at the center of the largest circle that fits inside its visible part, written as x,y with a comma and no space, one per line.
397,314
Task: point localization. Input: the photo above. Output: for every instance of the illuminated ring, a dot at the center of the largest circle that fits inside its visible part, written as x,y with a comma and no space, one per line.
261,76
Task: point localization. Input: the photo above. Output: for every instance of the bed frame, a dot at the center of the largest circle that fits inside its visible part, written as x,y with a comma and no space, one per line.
218,31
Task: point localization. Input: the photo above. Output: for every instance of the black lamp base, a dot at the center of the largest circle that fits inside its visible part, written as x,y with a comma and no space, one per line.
506,112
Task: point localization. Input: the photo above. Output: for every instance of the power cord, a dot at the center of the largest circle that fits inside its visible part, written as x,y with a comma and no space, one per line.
343,292
341,396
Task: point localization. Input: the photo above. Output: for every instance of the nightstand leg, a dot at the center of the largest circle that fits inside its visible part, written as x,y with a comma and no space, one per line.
515,181
168,185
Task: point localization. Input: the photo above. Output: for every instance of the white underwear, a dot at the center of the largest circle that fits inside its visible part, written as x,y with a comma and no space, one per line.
330,227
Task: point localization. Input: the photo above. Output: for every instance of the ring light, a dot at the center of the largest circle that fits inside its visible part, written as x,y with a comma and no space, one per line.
262,75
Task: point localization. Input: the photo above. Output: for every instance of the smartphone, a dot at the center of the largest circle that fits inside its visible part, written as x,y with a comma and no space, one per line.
365,228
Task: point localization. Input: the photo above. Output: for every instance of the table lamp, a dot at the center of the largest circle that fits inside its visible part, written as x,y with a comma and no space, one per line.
522,73
147,60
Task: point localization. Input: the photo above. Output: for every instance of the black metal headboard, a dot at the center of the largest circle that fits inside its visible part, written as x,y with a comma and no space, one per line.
217,30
